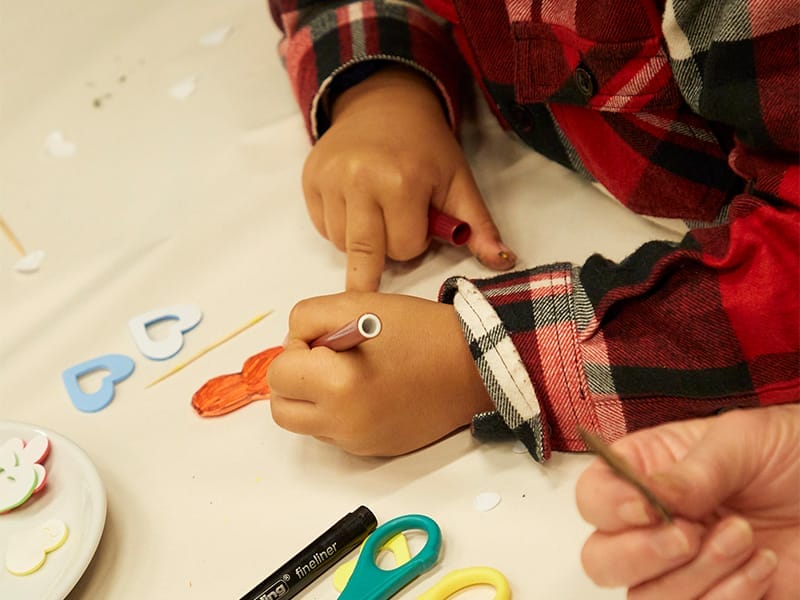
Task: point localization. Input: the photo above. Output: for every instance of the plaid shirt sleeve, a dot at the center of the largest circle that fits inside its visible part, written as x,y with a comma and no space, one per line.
330,45
676,330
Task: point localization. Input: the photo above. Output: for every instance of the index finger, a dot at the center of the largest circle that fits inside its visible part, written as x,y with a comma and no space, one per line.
609,503
365,244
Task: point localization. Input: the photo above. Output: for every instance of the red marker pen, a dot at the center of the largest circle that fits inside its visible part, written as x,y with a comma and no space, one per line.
364,328
447,228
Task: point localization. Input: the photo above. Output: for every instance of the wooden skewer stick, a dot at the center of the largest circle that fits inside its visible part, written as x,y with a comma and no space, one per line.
12,238
623,469
208,349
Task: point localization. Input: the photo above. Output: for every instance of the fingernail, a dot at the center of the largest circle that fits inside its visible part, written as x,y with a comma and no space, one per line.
734,538
671,543
506,254
634,513
762,566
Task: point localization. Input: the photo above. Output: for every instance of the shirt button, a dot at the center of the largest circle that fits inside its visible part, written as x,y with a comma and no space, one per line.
584,80
521,118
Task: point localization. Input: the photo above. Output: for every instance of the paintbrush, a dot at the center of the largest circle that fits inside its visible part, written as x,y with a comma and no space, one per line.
624,470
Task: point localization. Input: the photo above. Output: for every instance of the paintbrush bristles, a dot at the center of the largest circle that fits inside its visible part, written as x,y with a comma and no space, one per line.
622,469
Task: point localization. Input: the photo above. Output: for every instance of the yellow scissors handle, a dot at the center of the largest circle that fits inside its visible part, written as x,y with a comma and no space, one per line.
464,578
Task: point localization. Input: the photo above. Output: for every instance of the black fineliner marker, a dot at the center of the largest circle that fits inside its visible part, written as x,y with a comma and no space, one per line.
316,558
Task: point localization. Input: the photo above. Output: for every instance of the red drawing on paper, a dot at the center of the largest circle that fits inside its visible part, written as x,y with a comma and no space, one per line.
227,393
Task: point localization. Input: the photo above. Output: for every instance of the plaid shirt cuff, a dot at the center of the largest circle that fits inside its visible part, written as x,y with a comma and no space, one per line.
503,371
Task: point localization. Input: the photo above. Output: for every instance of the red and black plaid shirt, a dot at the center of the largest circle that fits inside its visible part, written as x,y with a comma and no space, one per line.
684,109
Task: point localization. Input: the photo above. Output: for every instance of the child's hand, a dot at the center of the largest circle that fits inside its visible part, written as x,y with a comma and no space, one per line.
732,483
370,178
413,384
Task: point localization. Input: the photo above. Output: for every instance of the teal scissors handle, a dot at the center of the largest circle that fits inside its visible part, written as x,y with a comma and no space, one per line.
370,582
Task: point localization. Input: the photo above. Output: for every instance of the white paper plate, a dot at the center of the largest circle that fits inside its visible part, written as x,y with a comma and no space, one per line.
74,494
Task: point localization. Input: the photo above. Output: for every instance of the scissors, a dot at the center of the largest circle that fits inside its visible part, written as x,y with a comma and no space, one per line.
369,582
461,579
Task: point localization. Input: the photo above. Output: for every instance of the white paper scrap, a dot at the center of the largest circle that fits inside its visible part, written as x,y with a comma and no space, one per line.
30,262
215,37
58,146
184,88
486,501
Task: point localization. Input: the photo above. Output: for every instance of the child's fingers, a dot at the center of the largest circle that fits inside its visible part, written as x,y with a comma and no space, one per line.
365,244
464,201
309,375
725,549
298,416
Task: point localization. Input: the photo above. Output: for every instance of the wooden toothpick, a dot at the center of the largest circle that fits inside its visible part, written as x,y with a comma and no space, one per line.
623,469
12,238
208,349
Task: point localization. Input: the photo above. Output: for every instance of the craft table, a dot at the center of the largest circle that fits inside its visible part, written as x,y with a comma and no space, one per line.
175,178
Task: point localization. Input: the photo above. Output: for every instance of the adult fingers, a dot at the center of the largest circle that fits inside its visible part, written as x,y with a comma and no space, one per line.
750,582
726,548
365,244
610,503
637,555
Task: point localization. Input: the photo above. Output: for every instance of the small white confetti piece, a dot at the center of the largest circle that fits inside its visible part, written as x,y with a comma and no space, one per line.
58,146
30,262
184,88
519,448
215,37
486,501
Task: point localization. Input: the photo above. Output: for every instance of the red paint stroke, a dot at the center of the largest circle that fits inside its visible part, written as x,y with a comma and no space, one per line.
227,393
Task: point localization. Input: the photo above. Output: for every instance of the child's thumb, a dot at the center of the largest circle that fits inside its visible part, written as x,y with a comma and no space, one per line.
464,202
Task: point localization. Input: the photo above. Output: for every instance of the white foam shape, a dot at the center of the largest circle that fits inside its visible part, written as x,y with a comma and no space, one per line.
184,317
184,88
216,36
41,477
18,480
58,146
36,450
15,445
31,262
519,448
27,550
486,501
20,475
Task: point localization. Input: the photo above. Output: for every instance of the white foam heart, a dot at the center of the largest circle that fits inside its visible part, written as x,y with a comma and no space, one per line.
58,146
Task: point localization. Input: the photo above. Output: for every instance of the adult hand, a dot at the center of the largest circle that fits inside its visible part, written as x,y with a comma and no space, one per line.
388,154
733,483
413,384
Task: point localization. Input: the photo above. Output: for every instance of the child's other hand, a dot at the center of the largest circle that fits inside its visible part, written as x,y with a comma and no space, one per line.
413,384
370,178
733,484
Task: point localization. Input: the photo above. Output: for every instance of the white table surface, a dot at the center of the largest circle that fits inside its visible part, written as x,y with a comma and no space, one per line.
170,201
